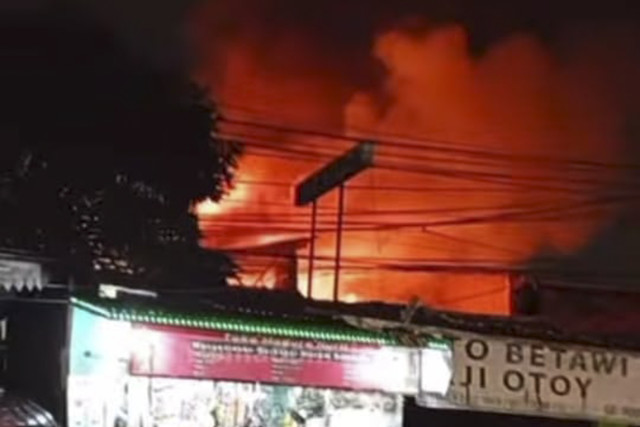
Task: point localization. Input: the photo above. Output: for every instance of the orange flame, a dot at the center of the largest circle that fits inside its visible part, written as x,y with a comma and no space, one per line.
518,106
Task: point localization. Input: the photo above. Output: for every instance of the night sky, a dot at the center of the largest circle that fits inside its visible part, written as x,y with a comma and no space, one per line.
338,25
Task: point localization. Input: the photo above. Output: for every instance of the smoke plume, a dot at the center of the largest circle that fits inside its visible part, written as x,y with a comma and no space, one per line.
486,156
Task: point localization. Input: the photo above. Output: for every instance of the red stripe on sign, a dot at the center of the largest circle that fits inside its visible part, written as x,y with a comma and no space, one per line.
190,353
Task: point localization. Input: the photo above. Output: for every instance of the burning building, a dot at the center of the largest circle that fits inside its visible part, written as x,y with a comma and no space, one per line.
486,159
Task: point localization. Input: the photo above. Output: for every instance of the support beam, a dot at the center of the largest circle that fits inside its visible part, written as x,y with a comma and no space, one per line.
336,272
312,247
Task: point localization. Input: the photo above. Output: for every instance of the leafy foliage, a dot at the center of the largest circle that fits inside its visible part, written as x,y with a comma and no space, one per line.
102,156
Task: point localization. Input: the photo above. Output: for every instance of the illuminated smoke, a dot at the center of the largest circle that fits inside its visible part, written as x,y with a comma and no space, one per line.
526,111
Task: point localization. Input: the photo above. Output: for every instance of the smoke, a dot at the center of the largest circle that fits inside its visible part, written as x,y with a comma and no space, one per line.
515,101
486,159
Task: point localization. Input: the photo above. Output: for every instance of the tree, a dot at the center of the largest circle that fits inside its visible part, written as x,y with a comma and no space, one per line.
102,156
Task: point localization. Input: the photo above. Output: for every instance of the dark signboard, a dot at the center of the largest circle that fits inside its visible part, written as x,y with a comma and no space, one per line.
335,173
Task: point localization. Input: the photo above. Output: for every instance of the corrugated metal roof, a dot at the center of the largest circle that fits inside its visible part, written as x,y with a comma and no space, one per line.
292,307
247,321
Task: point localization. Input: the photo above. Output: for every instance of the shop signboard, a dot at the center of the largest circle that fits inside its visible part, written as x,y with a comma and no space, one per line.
103,393
511,375
188,353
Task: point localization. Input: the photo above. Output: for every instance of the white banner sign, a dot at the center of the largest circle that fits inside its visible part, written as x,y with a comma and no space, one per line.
531,377
20,275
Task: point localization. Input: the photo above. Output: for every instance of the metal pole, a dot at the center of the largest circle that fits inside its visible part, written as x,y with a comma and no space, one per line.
312,247
336,272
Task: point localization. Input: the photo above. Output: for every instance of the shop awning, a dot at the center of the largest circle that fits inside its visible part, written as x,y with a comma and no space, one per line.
20,275
246,322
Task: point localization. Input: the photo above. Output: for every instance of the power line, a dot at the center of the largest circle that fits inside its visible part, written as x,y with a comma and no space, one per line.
438,266
473,176
417,159
392,188
412,165
443,146
528,215
473,242
331,212
483,162
281,152
279,156
416,163
446,143
480,294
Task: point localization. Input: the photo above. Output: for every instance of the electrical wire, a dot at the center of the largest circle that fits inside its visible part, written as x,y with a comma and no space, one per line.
473,243
461,162
476,295
447,143
436,266
383,188
442,146
417,159
416,164
332,212
548,213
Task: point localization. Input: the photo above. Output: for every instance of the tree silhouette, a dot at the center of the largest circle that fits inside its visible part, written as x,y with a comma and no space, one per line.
102,156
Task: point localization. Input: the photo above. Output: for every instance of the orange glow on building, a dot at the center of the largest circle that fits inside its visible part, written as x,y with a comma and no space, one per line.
431,201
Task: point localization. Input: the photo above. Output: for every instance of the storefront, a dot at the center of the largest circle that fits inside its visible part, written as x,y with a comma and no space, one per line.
25,386
522,373
146,366
158,362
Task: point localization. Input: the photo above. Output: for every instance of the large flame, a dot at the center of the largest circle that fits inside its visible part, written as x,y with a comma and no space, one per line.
482,161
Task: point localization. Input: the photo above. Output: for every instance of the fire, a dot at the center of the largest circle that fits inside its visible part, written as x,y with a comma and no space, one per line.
483,161
208,208
234,198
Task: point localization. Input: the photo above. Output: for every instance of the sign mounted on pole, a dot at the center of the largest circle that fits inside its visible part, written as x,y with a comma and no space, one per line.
335,173
517,376
332,175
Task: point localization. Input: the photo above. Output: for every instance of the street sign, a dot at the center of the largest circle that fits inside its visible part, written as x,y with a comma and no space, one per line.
530,377
335,173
